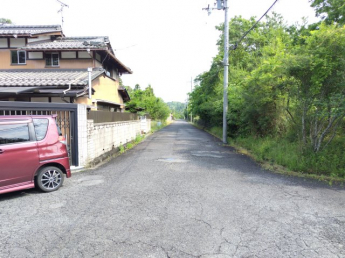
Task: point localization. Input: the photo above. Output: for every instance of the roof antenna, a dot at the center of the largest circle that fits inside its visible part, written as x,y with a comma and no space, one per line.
61,11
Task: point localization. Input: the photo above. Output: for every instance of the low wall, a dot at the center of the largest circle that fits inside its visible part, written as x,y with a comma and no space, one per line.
97,141
103,139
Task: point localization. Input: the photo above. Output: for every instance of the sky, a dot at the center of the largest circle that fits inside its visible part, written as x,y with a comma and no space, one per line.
166,43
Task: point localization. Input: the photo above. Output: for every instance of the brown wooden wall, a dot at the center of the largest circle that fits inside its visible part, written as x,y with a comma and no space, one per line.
106,117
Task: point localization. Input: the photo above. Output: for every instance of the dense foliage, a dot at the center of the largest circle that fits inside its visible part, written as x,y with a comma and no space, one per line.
330,10
177,109
286,83
5,21
145,101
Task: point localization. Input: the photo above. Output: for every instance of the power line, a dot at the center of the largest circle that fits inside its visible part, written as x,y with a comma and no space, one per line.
126,47
245,34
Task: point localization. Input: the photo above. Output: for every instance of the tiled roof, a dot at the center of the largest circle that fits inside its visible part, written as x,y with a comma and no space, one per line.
46,77
71,43
20,30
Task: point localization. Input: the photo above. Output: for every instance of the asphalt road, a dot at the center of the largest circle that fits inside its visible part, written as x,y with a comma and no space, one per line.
179,193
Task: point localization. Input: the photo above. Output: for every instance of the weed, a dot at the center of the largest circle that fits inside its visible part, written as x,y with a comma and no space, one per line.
138,138
157,125
329,162
289,156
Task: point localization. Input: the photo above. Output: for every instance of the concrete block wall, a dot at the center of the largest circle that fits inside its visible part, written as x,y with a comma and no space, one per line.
105,137
96,140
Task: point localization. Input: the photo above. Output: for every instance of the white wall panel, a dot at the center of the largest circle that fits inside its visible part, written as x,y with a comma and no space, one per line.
3,43
35,55
68,54
83,54
17,42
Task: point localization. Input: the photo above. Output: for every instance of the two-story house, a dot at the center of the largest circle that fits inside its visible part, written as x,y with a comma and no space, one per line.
40,64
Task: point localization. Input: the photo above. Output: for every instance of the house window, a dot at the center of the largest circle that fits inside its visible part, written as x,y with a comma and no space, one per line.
18,57
52,59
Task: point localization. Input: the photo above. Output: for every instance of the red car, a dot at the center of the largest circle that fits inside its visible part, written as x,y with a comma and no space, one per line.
33,152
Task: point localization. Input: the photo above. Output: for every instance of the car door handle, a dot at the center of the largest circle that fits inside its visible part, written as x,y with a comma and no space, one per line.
1,151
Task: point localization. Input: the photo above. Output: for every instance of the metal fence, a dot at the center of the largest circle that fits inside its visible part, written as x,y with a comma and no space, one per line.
66,119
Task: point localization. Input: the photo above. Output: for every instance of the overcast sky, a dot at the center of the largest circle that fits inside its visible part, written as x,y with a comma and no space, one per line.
165,42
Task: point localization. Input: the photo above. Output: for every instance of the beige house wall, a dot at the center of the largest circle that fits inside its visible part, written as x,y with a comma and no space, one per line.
5,63
105,89
5,60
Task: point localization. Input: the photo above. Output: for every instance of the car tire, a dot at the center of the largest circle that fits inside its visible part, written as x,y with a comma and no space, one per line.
49,179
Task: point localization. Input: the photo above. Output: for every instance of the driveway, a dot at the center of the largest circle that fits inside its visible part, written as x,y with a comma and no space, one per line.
179,193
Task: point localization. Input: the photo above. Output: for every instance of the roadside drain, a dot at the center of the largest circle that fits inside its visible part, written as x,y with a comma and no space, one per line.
210,154
91,180
173,160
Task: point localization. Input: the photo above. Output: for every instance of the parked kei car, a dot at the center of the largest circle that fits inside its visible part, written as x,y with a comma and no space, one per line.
33,152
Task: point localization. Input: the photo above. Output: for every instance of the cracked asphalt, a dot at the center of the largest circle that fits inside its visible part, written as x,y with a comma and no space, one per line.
179,193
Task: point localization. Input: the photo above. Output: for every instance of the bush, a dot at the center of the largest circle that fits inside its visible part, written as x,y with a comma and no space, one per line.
156,125
329,162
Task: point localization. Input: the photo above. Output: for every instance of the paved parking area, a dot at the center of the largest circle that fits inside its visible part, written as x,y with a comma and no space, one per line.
179,193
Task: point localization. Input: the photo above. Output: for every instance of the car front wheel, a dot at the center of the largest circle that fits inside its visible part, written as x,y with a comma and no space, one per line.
49,179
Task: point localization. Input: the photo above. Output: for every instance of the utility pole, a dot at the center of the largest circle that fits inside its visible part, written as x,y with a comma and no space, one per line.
226,69
223,5
191,89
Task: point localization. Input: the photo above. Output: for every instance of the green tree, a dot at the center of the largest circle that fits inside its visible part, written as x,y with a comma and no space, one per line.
177,109
147,101
319,70
286,85
330,10
282,80
5,21
255,81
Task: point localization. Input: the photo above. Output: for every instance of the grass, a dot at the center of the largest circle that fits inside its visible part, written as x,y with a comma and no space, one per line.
123,148
139,138
157,125
283,156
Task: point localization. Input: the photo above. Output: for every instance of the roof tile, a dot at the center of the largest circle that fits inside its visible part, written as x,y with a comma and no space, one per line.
15,78
9,29
71,43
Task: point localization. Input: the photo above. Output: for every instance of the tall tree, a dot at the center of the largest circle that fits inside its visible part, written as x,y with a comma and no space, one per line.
330,10
177,109
146,100
319,69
